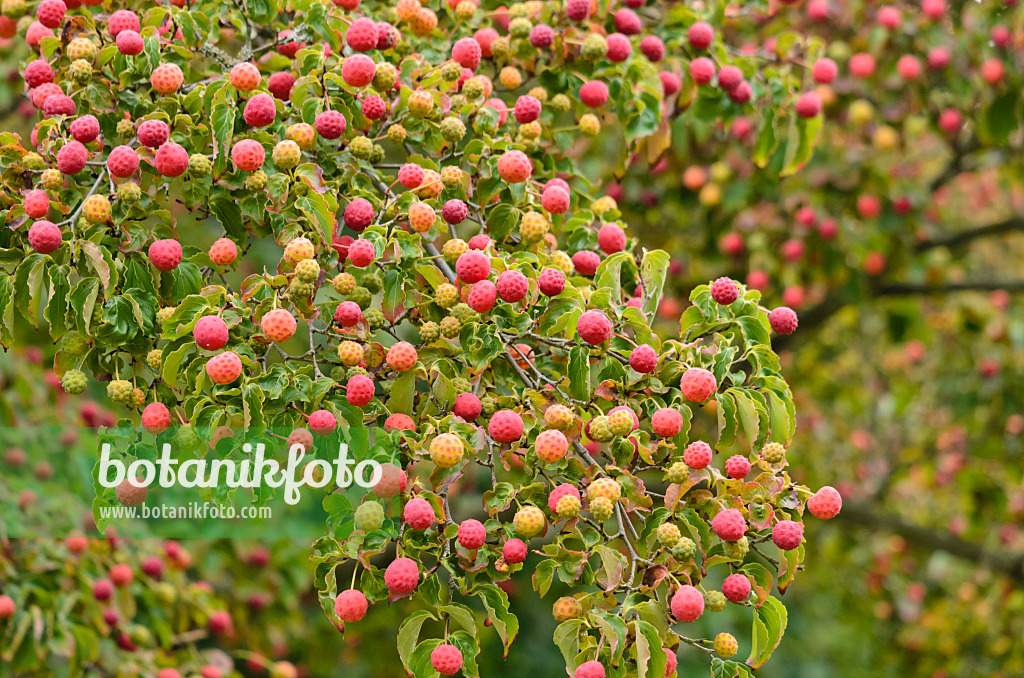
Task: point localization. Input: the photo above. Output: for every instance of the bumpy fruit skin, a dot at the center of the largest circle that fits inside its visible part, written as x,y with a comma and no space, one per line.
736,588
668,534
224,368
604,487
787,534
666,422
783,320
223,252
473,266
165,254
330,124
74,382
248,155
551,282
128,494
724,291
529,522
392,481
826,503
773,453
166,78
726,645
590,669
513,551
472,534
322,422
697,384
402,356
737,467
446,659
568,507
156,418
446,450
278,325
402,576
566,608
369,516
551,446
643,359
505,426
514,167
244,77
594,327
558,417
419,514
210,332
44,237
350,605
687,604
729,525
359,390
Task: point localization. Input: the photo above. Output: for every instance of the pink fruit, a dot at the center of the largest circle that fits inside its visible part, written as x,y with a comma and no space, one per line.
787,534
402,576
825,504
697,384
350,605
729,525
594,327
505,426
687,604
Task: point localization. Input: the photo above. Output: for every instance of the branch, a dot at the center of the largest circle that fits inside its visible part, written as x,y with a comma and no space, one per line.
961,237
910,289
1007,564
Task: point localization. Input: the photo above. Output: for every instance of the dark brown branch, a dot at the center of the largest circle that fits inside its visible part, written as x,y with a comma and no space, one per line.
1008,564
966,236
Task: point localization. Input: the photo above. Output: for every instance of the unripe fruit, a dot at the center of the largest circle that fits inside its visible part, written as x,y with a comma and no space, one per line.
166,78
687,604
605,488
551,446
514,167
566,608
773,453
529,522
402,356
74,382
668,534
278,325
446,450
725,645
558,417
287,154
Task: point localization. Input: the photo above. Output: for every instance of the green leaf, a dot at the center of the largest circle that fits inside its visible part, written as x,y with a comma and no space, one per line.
319,213
769,625
6,310
501,220
650,652
403,390
579,373
803,137
653,270
409,634
28,286
505,623
766,140
609,273
567,638
1001,118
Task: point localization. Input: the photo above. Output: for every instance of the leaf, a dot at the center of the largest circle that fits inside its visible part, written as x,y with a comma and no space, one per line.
723,668
766,140
409,633
650,652
319,213
173,361
229,214
461,615
100,261
567,638
501,220
653,270
1000,119
803,137
746,418
58,306
543,575
6,310
28,286
403,390
505,623
609,273
579,373
614,631
613,564
760,579
769,625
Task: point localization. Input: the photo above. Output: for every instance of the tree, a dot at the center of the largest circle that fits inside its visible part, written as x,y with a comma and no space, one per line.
402,140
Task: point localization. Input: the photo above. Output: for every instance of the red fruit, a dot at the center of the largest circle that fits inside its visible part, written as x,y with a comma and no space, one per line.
938,58
467,53
589,669
350,605
359,390
909,67
278,325
514,167
577,10
627,21
619,48
7,607
37,204
223,252
862,65
512,286
594,94
171,160
330,124
374,108
130,43
697,455
482,296
165,254
361,253
643,359
479,242
35,33
542,36
527,109
156,418
729,525
8,27
783,320
808,105
653,48
402,356
697,384
666,422
446,659
702,70
358,70
211,333
825,504
514,551
505,426
45,237
594,327
153,567
787,534
51,12
670,82
555,200
472,534
399,422
121,575
72,156
729,78
260,110
386,35
102,589
219,622
736,588
280,85
473,266
869,206
123,20
128,494
565,489
687,604
224,368
410,175
58,104
741,94
586,262
245,77
248,155
402,576
123,162
348,314
455,211
153,133
467,406
38,72
611,239
358,214
551,282
166,78
737,467
724,291
362,35
700,35
824,71
992,71
889,17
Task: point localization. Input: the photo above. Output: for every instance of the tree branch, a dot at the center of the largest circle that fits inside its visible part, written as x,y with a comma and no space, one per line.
966,236
910,289
1008,564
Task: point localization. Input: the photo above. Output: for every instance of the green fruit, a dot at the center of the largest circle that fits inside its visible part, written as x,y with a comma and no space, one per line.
451,327
125,128
361,147
307,270
344,283
369,516
600,429
119,390
74,382
137,399
396,134
155,359
453,129
372,282
199,165
52,180
685,549
361,296
129,192
429,332
714,601
601,508
594,47
375,318
256,181
677,472
736,550
668,534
